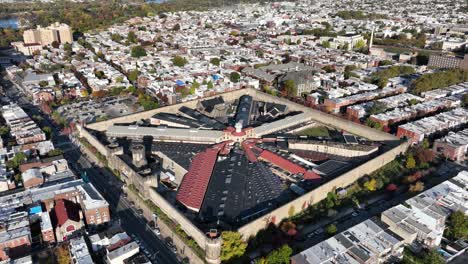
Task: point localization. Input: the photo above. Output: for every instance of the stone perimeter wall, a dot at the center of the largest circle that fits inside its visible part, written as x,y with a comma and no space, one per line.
327,119
282,212
320,193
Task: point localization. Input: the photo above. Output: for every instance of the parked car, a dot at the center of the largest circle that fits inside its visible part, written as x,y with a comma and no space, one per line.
172,247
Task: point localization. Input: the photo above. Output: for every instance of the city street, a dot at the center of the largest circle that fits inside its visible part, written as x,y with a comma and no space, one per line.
107,185
130,221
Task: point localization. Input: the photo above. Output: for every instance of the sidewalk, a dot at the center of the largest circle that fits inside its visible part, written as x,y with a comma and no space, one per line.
166,232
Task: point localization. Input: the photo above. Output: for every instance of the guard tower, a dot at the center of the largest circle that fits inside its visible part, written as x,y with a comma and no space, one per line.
138,155
213,247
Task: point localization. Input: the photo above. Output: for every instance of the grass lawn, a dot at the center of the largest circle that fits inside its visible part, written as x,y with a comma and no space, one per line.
318,131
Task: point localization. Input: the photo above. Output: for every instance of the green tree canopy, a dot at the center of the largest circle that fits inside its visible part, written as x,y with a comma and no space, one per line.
280,256
431,81
54,152
48,131
360,44
233,246
410,162
17,160
210,85
326,44
377,108
179,61
381,77
457,227
234,77
331,229
290,88
215,61
43,83
131,37
133,75
137,52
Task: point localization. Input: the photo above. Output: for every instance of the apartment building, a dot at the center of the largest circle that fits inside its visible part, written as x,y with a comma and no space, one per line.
416,131
22,127
15,234
60,33
421,221
454,146
368,242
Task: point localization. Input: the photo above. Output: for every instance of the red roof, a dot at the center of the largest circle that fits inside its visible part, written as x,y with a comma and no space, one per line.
247,146
65,210
282,162
195,183
310,175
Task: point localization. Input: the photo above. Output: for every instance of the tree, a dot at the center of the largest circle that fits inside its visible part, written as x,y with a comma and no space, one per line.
424,155
48,131
62,255
138,51
4,130
350,68
371,185
280,256
328,68
288,226
326,44
433,257
131,37
377,108
290,88
210,85
413,101
431,81
233,246
194,87
100,74
457,226
147,102
360,44
417,187
17,160
133,75
116,37
373,124
331,229
43,83
215,61
99,94
234,77
54,152
385,63
465,100
410,162
179,61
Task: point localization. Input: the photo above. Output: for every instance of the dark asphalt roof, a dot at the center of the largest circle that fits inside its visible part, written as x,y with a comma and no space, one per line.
209,104
208,122
238,188
178,119
180,153
244,110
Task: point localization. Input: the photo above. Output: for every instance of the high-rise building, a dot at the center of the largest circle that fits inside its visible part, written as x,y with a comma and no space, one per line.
32,36
64,32
48,36
61,33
